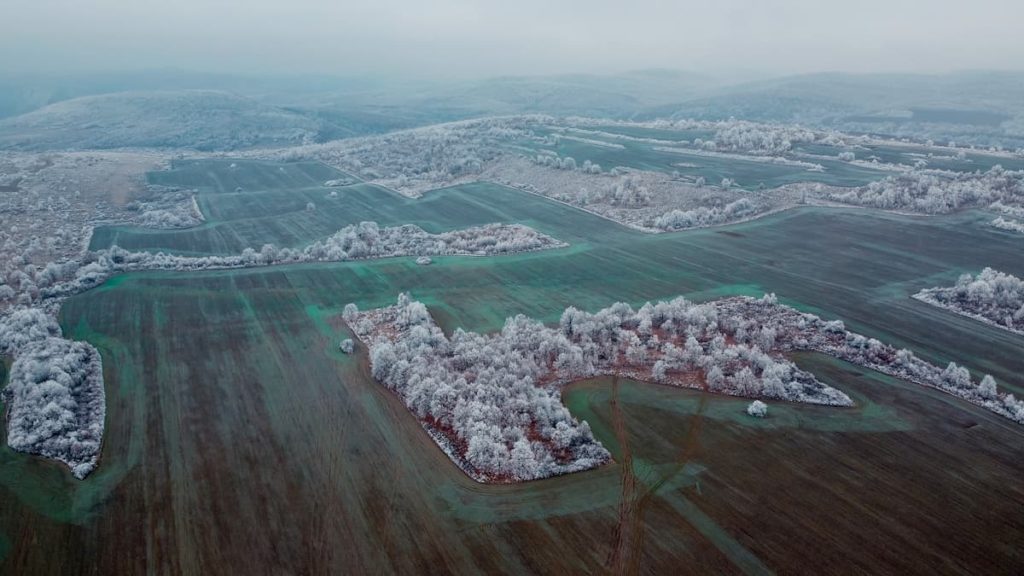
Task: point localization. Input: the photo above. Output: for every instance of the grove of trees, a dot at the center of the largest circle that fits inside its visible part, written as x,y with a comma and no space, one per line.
492,401
992,297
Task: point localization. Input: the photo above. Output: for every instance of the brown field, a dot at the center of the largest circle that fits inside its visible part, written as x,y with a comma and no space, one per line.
240,441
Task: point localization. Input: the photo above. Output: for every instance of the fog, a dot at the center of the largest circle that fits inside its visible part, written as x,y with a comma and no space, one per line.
464,38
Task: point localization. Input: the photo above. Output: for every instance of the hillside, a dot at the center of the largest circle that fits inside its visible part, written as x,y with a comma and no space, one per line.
194,119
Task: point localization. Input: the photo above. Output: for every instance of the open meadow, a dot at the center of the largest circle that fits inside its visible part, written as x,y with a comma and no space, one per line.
240,440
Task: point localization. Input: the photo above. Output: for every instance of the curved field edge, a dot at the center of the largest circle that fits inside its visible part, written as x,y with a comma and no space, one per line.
864,286
123,318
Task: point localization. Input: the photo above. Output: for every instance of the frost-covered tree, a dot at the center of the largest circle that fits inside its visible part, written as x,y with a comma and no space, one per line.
992,297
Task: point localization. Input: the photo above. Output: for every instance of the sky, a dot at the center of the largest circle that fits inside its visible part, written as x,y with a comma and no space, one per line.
464,38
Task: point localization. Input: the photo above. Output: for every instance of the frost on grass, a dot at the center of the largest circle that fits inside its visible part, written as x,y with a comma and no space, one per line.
992,297
492,402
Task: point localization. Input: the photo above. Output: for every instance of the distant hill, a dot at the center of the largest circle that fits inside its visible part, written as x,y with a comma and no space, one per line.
175,109
195,119
981,107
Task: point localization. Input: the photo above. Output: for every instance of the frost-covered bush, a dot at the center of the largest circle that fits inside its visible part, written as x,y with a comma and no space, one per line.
757,409
347,346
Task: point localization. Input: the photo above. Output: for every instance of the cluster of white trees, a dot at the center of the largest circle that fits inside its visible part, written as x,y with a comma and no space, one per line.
167,208
1008,224
793,330
478,395
645,200
417,160
705,216
992,297
732,134
54,396
553,160
1007,210
934,192
359,241
754,138
492,401
368,240
628,191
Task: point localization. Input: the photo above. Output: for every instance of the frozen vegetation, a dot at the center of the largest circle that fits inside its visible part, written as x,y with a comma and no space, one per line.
513,151
991,297
755,138
1007,210
55,395
492,401
1008,224
50,203
194,119
355,242
757,409
648,201
414,161
933,192
54,398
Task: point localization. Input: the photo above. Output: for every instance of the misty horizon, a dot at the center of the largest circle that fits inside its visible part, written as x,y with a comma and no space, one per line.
455,39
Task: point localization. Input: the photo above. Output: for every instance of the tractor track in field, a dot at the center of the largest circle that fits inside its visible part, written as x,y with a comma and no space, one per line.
627,548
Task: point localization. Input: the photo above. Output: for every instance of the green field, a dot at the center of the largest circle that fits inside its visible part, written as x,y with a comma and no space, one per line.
259,215
239,440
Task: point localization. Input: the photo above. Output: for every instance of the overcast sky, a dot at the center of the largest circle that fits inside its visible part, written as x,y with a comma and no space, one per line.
494,37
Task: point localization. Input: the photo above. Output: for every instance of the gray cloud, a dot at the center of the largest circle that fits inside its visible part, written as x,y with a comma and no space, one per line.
491,37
